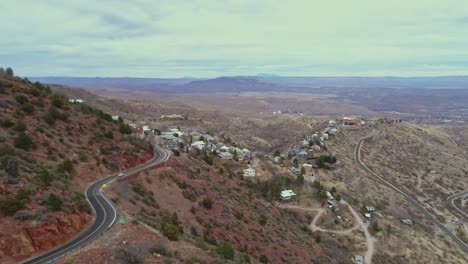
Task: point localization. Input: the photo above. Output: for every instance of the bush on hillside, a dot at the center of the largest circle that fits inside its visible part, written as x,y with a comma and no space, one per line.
10,165
10,205
125,129
54,202
23,141
225,249
207,203
6,149
20,126
7,123
21,99
28,108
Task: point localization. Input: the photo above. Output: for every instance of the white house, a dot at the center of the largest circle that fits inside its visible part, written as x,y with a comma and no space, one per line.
331,123
225,155
115,117
287,195
75,101
249,172
224,149
325,136
146,128
332,131
198,144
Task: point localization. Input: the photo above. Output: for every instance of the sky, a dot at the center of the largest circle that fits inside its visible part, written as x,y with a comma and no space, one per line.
180,38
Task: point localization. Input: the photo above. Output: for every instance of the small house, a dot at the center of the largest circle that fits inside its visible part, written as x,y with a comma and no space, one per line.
367,215
249,172
358,259
115,118
331,123
370,209
302,154
225,155
287,195
332,131
224,149
276,159
407,221
198,144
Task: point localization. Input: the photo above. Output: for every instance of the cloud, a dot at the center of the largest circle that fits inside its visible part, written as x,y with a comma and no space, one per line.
171,38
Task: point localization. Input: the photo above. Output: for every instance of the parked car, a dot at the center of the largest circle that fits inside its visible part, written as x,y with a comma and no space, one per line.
121,174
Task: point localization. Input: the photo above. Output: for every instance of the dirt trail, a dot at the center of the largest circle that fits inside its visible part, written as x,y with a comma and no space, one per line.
359,224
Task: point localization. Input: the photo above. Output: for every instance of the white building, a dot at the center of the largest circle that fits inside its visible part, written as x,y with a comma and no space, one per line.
146,128
249,172
75,101
331,123
332,131
287,195
198,144
115,117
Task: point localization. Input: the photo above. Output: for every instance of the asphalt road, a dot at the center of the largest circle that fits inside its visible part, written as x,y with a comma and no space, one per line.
416,204
451,201
105,212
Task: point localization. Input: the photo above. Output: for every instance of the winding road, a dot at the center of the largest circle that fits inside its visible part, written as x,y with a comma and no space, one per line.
451,201
412,201
105,212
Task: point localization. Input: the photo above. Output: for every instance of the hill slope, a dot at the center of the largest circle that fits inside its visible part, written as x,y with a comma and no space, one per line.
49,151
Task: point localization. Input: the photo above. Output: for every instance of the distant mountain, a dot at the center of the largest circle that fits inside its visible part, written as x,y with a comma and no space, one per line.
261,82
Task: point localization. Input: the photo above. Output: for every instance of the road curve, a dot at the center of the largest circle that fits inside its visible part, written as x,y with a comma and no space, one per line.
104,211
416,204
451,201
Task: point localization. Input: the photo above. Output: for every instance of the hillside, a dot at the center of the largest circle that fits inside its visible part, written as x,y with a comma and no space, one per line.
50,150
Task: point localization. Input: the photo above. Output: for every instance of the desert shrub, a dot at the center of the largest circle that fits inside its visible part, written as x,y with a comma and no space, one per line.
54,202
171,231
20,126
44,177
23,141
161,250
58,100
128,257
207,203
28,108
5,149
264,259
375,228
300,180
109,135
10,165
125,129
322,160
10,205
263,219
21,99
137,188
54,114
23,195
176,152
7,123
225,249
66,165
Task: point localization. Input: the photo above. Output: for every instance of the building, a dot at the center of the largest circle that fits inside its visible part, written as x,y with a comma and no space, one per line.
350,121
287,195
302,154
224,149
249,172
146,128
332,131
367,215
198,144
407,221
276,159
358,259
331,123
75,101
225,155
370,209
115,118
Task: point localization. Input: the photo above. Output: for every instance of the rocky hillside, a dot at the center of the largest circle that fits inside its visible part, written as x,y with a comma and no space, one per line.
50,150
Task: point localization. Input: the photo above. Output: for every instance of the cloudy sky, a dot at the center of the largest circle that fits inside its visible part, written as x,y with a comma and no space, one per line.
176,38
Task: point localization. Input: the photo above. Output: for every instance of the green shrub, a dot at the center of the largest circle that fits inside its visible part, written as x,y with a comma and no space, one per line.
264,259
263,219
27,108
54,202
5,149
21,99
109,135
171,231
66,165
7,123
10,205
44,177
125,129
58,100
23,141
207,203
23,195
225,249
20,126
